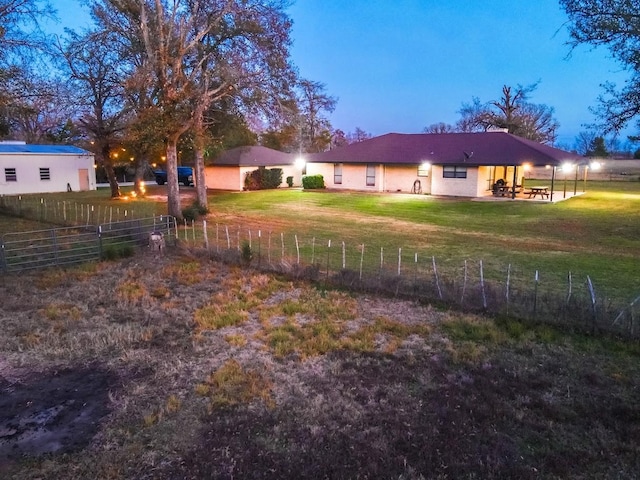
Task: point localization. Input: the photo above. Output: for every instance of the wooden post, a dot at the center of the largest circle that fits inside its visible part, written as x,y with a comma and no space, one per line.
435,274
464,283
484,296
361,260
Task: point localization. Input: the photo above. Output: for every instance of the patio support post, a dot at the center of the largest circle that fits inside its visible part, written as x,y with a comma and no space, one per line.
584,185
515,179
575,183
553,180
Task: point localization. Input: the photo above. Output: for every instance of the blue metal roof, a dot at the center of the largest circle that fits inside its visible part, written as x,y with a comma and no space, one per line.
42,149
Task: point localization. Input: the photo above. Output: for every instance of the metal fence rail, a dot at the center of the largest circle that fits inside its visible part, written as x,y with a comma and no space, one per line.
72,245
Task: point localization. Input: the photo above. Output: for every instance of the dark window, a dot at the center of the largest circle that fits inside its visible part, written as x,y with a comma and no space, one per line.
10,175
337,173
371,175
454,172
45,174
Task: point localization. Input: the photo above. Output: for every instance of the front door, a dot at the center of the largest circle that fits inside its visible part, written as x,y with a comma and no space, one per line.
83,177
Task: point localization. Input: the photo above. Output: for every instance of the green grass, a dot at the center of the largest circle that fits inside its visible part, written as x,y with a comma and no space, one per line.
595,234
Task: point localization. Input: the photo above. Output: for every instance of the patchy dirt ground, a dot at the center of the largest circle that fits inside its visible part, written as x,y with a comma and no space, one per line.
54,411
180,367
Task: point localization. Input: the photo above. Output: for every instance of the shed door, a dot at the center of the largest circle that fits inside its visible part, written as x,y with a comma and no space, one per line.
83,177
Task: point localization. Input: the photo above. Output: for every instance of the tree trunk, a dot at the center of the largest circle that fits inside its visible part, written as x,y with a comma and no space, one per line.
108,169
201,186
141,167
173,191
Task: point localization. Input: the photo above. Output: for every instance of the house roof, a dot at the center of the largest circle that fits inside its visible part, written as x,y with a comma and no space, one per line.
22,148
254,156
474,149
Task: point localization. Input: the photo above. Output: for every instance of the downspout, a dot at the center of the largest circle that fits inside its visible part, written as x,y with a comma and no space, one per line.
553,179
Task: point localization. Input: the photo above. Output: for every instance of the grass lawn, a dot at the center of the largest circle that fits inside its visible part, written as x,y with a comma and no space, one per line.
596,234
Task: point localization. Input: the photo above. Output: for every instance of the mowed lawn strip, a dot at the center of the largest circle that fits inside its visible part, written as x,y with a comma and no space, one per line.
596,234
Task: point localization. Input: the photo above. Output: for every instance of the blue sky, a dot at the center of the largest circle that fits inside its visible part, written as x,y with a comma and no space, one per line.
399,66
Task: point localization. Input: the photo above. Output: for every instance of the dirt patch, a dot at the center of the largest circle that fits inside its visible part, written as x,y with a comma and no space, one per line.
52,411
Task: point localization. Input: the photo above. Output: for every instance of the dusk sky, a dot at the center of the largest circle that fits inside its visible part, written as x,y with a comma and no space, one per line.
400,66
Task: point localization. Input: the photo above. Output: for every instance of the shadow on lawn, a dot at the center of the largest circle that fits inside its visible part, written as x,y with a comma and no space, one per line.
422,421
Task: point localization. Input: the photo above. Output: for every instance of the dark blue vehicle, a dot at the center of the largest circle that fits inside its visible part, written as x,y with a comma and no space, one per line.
185,176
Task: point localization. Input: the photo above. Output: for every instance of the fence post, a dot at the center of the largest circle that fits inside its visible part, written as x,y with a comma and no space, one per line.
204,232
593,302
361,260
3,260
344,256
297,249
399,260
435,273
100,242
506,294
484,296
464,283
328,250
535,294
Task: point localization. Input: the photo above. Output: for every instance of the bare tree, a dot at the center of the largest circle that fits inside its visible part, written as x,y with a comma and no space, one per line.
37,108
615,25
440,127
513,113
92,63
314,103
359,135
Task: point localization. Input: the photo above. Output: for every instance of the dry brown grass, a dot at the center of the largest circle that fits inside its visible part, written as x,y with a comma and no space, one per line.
194,369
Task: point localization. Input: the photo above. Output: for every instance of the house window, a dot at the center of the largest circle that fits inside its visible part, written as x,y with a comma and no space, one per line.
10,175
454,171
45,174
371,175
337,173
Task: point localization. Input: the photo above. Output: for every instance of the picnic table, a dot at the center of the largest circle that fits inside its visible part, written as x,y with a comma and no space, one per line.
543,191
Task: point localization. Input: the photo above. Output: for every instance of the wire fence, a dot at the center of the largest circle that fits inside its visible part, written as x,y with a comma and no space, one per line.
65,212
467,285
58,247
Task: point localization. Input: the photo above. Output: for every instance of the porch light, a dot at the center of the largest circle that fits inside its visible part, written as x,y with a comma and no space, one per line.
300,163
567,167
425,166
595,165
526,166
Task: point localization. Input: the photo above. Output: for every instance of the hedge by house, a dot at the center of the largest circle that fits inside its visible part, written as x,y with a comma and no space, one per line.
310,182
263,179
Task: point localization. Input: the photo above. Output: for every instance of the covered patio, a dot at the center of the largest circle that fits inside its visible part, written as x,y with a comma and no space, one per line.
567,180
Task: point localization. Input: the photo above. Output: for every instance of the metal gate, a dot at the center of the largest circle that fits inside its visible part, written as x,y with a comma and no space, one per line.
73,245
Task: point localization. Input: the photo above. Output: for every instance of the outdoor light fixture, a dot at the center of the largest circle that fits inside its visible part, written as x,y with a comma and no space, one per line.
300,163
567,167
425,166
526,166
595,165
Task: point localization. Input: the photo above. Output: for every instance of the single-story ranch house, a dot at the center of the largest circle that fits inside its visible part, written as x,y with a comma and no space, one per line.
450,164
229,170
44,168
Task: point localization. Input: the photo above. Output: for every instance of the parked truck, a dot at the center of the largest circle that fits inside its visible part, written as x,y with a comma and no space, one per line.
185,176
